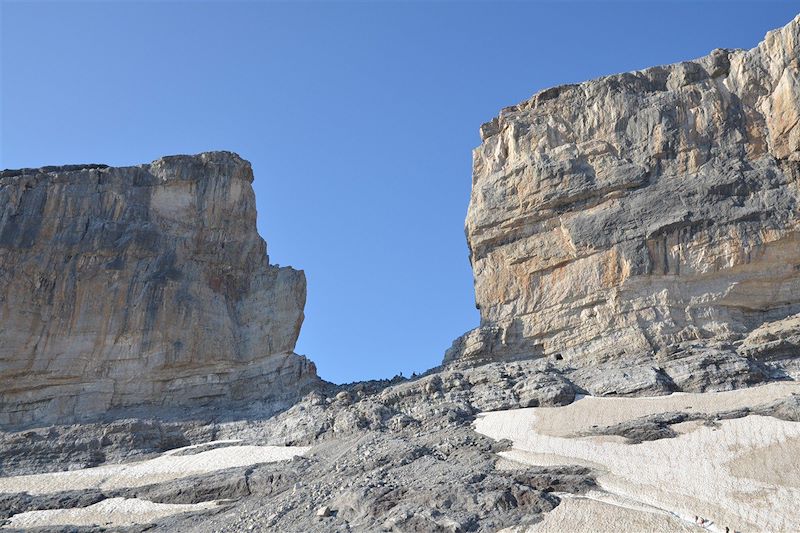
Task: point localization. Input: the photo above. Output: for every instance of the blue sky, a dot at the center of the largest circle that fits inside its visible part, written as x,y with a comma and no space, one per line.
359,119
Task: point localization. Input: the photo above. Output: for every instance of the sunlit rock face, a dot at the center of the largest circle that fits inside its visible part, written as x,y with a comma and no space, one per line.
141,285
621,216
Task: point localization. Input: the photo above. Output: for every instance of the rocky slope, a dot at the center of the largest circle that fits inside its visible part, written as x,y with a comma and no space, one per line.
141,285
640,216
404,456
396,455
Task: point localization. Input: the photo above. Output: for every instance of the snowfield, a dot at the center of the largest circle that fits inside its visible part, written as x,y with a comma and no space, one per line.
742,473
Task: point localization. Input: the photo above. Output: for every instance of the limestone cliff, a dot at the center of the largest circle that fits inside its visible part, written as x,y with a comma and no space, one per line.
141,285
625,216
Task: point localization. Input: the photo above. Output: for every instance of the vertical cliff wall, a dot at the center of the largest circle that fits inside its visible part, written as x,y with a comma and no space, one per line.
623,215
141,285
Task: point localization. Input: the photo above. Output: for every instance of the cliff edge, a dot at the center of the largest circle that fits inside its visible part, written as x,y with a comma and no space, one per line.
640,217
141,285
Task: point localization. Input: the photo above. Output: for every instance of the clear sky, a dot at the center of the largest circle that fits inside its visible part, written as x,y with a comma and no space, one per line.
359,119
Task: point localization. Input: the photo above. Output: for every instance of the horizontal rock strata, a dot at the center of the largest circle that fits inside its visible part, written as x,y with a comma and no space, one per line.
616,218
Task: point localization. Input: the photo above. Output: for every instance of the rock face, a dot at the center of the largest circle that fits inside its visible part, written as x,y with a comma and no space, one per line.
627,216
141,285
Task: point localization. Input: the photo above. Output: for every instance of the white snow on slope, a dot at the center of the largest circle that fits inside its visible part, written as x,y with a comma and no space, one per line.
166,467
113,512
120,512
743,474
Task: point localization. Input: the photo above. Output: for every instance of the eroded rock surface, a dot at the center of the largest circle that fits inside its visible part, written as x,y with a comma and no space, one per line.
141,285
614,219
397,455
394,455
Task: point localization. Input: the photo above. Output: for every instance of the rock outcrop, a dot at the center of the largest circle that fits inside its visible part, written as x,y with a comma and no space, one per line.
632,217
141,285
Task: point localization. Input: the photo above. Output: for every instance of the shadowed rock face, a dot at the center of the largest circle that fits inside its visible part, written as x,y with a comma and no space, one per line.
141,285
618,217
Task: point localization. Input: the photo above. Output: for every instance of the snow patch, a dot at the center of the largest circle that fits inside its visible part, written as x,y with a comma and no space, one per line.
732,475
166,467
113,512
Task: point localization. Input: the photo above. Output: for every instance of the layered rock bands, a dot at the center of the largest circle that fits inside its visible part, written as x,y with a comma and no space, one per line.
627,216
